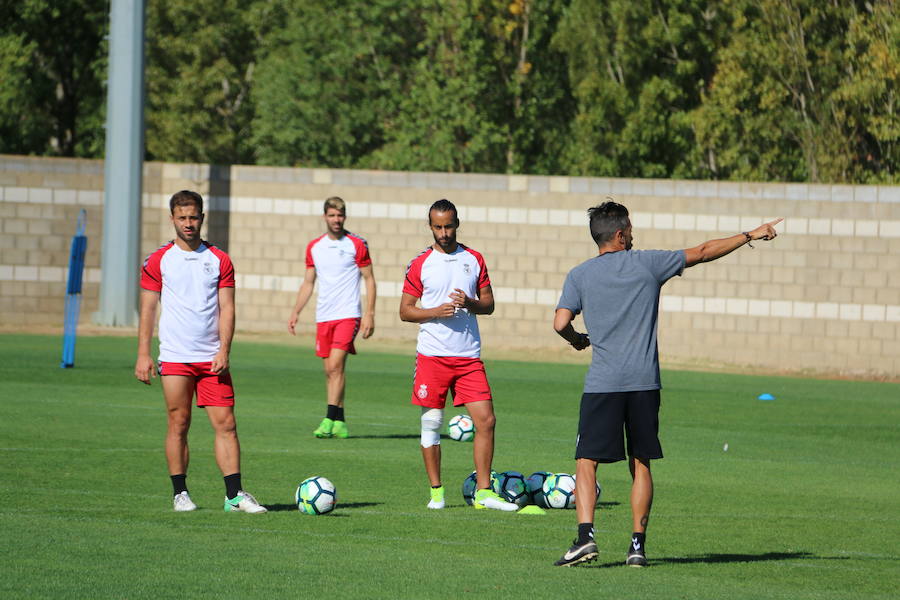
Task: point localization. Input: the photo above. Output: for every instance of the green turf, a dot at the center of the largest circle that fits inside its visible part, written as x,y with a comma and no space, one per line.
802,505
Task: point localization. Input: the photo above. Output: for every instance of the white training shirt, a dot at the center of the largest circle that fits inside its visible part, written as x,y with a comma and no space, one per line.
337,264
432,276
188,283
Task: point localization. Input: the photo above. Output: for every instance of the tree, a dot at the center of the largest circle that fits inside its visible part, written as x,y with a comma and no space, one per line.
637,70
199,77
52,65
330,80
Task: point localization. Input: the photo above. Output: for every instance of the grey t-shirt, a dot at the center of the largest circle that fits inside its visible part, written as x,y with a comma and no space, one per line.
618,292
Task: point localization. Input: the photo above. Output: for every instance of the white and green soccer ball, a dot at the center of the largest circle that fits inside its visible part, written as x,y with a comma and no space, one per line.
559,491
471,483
461,428
512,487
315,496
535,485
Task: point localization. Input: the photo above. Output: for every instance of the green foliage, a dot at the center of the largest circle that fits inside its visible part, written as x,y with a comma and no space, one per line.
788,90
331,77
795,509
52,68
199,75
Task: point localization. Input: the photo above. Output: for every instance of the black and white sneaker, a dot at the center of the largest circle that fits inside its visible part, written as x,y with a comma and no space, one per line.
636,556
578,553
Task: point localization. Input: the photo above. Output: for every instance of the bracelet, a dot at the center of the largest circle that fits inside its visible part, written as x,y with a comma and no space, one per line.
749,239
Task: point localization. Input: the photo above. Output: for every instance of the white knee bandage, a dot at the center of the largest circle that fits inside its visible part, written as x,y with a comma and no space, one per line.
432,420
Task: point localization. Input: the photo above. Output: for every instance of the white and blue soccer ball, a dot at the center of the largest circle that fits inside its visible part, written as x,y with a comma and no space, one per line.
535,485
461,428
559,491
471,484
512,487
315,496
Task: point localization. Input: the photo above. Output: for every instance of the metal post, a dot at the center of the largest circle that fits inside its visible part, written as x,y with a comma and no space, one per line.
120,258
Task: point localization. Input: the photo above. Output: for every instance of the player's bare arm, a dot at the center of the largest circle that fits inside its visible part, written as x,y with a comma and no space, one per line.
226,330
303,294
367,323
482,305
144,367
562,324
411,313
715,249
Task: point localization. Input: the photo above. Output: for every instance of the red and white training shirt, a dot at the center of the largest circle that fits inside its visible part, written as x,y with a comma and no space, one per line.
337,264
432,276
188,283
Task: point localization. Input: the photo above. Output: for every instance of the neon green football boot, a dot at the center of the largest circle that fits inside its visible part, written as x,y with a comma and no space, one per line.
490,499
325,428
339,430
437,498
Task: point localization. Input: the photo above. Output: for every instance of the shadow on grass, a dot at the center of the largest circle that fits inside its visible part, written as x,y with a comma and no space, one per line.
724,558
288,507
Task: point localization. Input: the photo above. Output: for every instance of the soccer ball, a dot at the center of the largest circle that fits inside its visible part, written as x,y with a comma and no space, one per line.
512,487
471,483
535,485
559,491
461,428
315,496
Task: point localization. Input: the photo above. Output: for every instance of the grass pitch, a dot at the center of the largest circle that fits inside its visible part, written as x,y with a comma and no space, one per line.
803,504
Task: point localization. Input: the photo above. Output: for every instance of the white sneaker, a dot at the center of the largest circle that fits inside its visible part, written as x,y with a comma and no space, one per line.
182,503
244,502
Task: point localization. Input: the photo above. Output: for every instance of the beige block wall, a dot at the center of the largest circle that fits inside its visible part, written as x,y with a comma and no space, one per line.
825,296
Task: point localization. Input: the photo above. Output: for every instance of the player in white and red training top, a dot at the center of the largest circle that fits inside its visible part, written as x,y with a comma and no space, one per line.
452,284
194,282
337,259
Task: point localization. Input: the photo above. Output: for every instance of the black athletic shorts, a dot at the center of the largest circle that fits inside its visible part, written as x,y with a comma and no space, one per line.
606,417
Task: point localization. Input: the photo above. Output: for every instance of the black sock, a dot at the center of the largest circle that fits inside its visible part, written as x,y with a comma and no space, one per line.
585,532
637,542
340,414
178,483
232,485
332,412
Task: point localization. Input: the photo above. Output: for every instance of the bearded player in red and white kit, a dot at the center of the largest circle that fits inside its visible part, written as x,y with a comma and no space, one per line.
337,259
194,282
451,282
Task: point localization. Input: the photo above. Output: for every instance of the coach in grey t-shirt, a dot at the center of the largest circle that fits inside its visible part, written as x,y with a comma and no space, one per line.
621,300
618,293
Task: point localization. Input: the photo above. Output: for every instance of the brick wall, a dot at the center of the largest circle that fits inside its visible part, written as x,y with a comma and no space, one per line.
825,296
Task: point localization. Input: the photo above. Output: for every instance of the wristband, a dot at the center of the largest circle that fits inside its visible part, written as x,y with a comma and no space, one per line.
749,239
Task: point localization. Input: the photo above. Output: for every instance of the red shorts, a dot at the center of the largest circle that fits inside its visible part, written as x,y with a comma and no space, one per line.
212,389
435,375
336,334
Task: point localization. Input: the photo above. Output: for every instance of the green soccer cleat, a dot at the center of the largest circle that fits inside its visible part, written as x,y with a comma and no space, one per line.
437,498
339,430
490,499
325,428
244,502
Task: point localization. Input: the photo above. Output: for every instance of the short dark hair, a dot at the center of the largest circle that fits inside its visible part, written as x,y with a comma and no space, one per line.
606,219
443,205
186,198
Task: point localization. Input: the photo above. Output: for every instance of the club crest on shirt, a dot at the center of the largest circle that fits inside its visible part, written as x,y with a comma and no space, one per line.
207,268
467,268
422,392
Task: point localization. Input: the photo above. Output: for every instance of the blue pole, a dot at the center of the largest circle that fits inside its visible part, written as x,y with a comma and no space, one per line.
73,291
